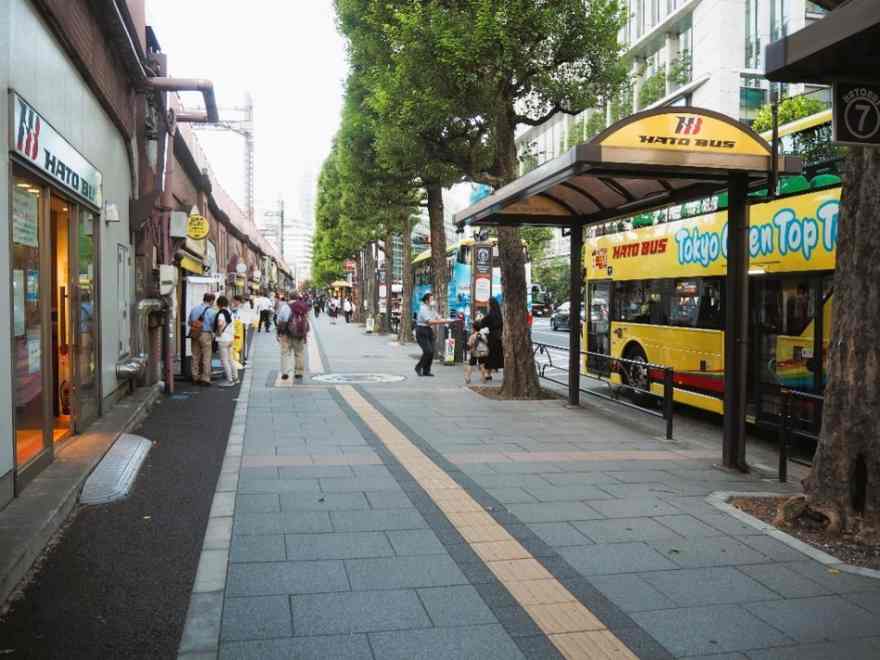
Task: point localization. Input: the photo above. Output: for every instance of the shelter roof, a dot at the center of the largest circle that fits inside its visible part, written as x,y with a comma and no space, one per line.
842,47
646,161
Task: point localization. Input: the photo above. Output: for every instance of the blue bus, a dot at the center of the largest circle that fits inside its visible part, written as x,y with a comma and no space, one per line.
460,264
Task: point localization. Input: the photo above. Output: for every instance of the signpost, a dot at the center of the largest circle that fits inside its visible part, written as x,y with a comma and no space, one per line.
856,114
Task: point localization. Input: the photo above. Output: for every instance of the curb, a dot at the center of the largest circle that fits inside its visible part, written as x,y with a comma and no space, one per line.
719,499
73,464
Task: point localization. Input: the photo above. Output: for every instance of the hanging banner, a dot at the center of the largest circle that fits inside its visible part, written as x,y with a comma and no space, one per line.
34,139
24,217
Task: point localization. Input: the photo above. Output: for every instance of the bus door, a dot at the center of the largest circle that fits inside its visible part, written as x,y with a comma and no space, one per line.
785,329
599,326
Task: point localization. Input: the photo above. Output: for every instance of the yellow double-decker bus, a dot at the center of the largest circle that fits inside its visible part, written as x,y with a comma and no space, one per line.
656,295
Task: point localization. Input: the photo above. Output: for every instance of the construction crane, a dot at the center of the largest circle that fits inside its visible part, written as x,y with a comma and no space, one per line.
244,127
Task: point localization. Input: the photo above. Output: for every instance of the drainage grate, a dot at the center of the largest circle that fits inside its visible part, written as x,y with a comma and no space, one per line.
116,472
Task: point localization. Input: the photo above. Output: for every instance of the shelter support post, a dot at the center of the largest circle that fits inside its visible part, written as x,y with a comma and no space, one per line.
736,325
574,314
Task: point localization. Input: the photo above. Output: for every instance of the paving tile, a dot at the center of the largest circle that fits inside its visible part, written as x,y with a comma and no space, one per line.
688,526
773,549
819,619
287,577
839,582
559,534
869,600
538,647
631,593
726,523
511,495
260,617
337,647
389,499
639,476
510,480
416,542
488,642
707,630
784,581
579,478
377,520
277,485
572,492
618,530
856,649
257,503
403,572
566,617
553,512
345,545
323,502
708,586
517,622
281,523
615,558
456,606
714,551
257,548
636,507
359,484
360,611
315,472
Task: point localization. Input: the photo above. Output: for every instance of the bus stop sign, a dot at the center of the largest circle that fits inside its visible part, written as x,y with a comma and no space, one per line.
856,114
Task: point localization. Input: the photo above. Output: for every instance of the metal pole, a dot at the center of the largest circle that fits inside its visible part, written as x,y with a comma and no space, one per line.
774,166
736,325
668,401
574,315
784,430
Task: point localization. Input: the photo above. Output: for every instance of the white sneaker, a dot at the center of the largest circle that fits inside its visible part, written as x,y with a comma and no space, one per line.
228,383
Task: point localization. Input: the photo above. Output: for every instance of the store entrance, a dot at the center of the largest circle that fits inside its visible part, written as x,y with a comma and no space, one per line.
54,323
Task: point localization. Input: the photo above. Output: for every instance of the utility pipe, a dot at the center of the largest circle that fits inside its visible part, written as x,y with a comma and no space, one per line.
206,87
132,368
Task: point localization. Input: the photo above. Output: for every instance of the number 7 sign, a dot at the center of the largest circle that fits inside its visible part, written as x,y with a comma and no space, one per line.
856,114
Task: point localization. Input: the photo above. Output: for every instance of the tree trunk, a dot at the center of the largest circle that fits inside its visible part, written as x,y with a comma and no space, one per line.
359,288
520,375
389,278
439,270
370,282
374,284
844,484
405,331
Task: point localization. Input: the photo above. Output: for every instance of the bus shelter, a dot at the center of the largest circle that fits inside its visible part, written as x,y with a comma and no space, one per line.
645,162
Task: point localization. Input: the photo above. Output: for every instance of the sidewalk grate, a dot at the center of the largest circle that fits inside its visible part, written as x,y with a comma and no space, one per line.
113,477
358,378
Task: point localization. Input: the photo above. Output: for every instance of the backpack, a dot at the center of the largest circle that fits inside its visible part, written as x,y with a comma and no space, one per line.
297,324
482,346
195,328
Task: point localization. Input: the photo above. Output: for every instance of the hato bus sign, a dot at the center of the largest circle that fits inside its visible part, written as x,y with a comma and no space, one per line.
34,139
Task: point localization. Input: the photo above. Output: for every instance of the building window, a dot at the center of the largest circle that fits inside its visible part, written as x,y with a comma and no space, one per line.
752,97
780,15
754,58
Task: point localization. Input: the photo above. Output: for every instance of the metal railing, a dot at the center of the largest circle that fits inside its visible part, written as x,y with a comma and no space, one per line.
614,364
787,428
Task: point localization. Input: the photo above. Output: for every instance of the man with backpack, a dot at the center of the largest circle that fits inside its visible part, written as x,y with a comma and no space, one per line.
293,332
201,333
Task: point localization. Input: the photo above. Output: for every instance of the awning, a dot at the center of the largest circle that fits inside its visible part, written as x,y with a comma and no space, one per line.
842,47
647,161
340,284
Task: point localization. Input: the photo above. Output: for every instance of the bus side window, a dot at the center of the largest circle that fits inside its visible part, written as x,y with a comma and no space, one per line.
685,303
711,304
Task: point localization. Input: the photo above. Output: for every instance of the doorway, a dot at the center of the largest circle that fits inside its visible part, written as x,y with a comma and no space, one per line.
54,321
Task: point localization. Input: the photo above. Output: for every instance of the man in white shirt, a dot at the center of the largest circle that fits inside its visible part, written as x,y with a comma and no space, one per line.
266,311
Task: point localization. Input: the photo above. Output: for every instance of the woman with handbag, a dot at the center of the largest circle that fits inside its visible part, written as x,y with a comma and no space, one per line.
224,331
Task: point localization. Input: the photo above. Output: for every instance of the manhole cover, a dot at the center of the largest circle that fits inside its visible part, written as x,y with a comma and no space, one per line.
354,379
115,474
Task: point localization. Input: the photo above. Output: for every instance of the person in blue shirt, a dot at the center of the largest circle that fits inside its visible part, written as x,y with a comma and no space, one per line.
201,333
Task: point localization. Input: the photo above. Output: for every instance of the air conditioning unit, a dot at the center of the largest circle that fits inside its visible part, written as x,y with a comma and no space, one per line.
178,224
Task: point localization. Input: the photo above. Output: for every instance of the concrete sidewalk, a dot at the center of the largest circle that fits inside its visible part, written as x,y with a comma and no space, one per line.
417,519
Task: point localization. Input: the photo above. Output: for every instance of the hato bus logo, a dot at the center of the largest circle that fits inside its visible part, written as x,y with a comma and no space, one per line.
689,125
28,141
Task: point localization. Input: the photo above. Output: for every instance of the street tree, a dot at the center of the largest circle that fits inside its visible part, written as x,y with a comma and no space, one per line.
518,62
844,483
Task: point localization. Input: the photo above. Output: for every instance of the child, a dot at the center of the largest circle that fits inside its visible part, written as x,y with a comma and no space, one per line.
478,350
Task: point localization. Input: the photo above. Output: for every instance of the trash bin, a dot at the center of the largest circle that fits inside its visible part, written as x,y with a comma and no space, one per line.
455,332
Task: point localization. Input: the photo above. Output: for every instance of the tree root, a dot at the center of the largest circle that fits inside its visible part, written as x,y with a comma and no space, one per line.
799,506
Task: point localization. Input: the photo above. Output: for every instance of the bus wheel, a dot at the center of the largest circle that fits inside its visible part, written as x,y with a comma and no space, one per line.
636,375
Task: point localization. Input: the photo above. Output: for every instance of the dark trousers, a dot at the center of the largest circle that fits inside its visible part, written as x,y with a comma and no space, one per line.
425,337
348,317
265,315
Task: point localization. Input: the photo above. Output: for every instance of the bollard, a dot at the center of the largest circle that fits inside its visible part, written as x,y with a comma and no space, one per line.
783,436
668,401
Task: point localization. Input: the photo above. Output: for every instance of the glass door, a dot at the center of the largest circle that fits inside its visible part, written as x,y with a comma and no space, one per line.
28,324
61,327
84,310
599,327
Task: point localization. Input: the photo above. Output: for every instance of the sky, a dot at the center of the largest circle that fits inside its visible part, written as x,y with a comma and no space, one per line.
288,55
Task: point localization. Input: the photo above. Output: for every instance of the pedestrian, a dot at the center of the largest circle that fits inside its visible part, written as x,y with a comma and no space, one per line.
478,351
347,308
247,314
425,320
317,305
201,333
495,324
293,333
264,309
224,331
333,310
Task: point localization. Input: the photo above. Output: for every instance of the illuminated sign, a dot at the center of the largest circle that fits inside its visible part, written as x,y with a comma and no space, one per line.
197,227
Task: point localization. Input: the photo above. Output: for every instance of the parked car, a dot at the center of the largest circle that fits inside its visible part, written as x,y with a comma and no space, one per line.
559,318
